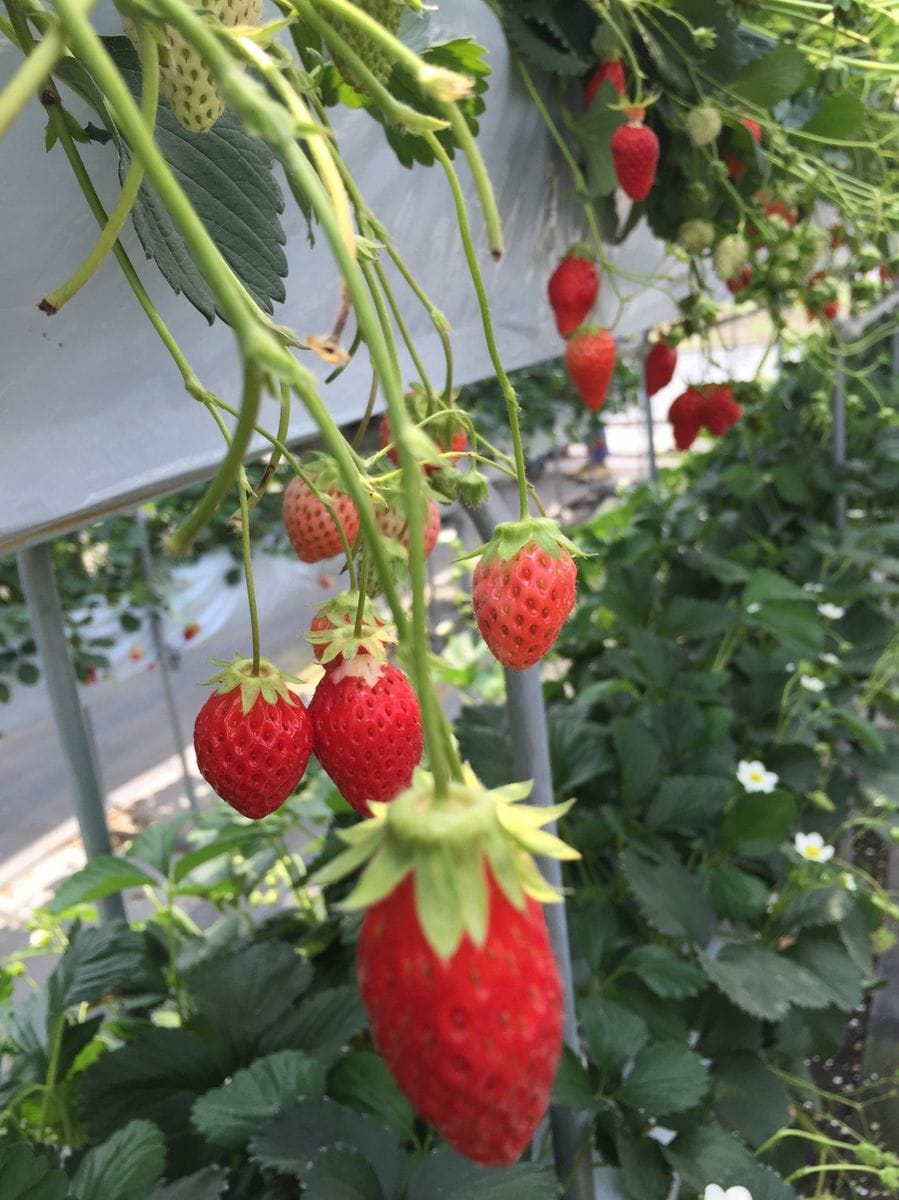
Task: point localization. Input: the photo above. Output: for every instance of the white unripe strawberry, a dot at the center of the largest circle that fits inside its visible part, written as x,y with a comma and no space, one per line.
731,256
703,124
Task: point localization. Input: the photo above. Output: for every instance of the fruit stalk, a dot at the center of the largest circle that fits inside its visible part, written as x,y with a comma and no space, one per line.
249,580
30,76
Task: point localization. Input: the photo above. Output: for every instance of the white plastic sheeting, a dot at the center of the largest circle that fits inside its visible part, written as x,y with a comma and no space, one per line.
92,410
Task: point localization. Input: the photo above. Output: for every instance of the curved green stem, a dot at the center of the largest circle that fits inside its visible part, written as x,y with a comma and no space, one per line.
248,572
469,148
30,76
272,465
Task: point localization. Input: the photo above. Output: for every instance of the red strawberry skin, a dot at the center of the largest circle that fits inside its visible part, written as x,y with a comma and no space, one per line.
394,524
611,70
253,760
635,153
590,359
309,525
685,415
739,282
658,370
719,410
458,444
474,1041
755,130
572,290
367,735
521,603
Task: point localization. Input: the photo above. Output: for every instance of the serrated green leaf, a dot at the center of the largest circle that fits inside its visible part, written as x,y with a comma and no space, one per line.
764,586
155,844
667,1078
749,1098
708,1154
820,906
101,960
445,1175
27,1176
837,118
341,1173
639,759
362,1081
774,77
242,840
543,35
230,1115
757,824
614,1034
207,1184
763,983
104,875
671,900
644,1172
736,894
830,965
593,131
686,803
664,972
124,1167
321,1026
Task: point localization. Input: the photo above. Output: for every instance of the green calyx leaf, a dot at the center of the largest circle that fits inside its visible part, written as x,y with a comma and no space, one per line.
374,634
582,251
510,537
270,683
447,843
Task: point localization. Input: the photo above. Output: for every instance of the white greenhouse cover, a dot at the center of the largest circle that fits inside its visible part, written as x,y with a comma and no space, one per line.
93,414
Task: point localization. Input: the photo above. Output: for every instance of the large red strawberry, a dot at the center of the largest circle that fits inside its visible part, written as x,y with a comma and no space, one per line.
523,590
635,153
253,738
719,409
455,967
367,731
685,415
611,70
573,288
473,1040
393,523
658,370
310,527
590,359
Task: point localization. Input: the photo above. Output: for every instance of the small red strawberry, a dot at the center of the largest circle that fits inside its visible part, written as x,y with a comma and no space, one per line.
474,1040
719,409
310,527
590,358
90,674
739,282
190,631
446,430
611,70
253,738
755,130
685,415
337,618
822,299
659,367
735,165
455,966
393,523
523,590
573,288
635,153
367,730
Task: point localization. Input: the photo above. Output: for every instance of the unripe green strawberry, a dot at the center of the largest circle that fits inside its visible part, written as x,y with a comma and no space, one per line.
703,124
184,78
386,13
696,236
731,255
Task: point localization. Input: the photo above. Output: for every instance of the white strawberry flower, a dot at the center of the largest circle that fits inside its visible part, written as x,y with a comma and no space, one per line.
753,607
832,612
830,659
811,846
812,683
755,778
716,1192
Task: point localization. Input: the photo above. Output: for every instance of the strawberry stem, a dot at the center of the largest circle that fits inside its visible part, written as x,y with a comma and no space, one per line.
242,488
363,593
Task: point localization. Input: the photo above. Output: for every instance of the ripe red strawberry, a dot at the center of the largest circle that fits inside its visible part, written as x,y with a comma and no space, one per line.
253,738
394,524
613,71
473,1040
740,281
367,730
573,288
658,370
309,525
755,130
735,165
590,358
685,415
523,590
719,409
190,631
822,301
635,152
437,431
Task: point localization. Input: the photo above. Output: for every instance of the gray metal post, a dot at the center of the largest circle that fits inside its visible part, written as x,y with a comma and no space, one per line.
647,412
162,657
45,611
838,410
572,1149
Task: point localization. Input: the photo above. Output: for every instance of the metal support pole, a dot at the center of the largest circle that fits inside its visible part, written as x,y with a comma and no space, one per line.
647,411
162,657
571,1130
45,611
838,409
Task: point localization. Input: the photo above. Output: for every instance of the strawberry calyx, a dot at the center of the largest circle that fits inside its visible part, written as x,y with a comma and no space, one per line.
323,471
509,537
270,683
340,639
446,843
581,251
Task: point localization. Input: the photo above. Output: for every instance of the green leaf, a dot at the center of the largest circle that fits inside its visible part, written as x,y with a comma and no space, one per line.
692,617
671,900
228,1116
571,1086
363,1082
228,177
242,840
614,1034
736,894
445,1175
832,968
864,731
207,1184
838,117
100,960
757,824
556,38
686,803
577,751
820,906
593,131
749,1097
341,1173
322,1025
249,995
667,1078
27,673
798,627
708,1155
764,586
27,1176
644,1172
775,77
297,1135
639,759
763,983
102,876
124,1167
155,844
483,733
664,972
